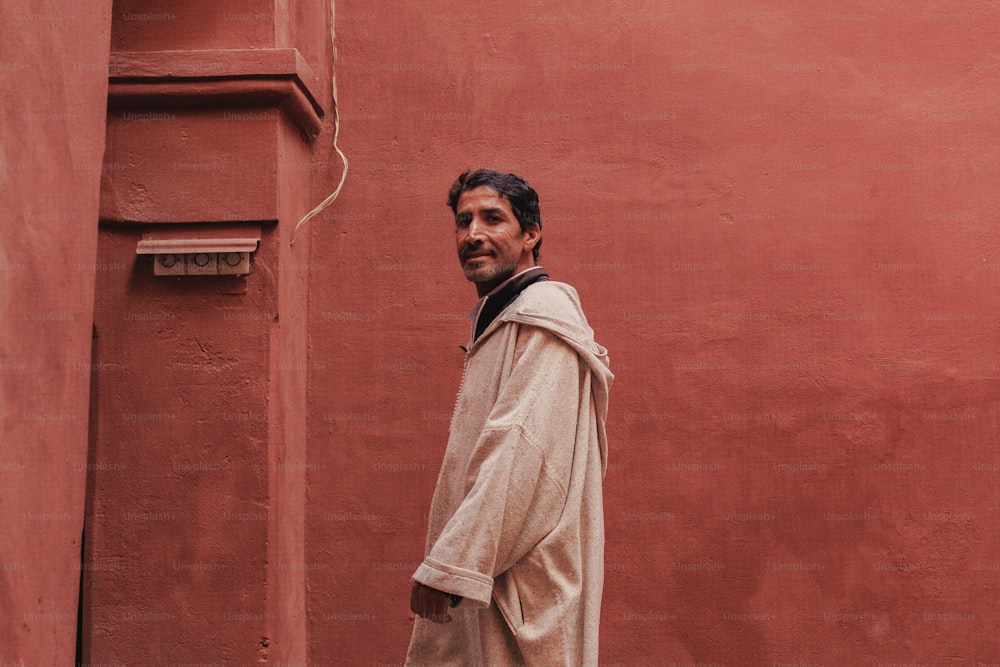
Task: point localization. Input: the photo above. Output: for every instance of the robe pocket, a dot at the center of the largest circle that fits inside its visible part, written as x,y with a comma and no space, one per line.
508,601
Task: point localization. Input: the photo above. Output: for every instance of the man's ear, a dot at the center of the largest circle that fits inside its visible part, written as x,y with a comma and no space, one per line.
534,234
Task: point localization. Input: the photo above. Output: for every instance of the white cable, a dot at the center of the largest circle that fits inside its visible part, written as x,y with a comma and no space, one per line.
336,135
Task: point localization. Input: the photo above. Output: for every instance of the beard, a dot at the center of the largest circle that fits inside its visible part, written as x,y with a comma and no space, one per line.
493,271
485,269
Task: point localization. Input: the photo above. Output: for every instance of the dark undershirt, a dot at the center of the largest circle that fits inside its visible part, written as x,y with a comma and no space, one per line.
495,303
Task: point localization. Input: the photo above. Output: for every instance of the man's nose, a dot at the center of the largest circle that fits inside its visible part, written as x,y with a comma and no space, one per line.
476,230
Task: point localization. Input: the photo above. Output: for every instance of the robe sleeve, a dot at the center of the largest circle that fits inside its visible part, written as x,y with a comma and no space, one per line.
519,471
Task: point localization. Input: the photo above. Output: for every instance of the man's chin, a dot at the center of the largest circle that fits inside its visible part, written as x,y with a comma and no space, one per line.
486,276
477,275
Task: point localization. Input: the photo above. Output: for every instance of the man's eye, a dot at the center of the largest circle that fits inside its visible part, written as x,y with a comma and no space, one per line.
463,220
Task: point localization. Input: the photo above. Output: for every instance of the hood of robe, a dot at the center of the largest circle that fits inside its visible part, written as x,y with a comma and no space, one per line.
556,307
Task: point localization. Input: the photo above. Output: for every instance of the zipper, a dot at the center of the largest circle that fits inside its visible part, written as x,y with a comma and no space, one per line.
465,363
475,322
458,396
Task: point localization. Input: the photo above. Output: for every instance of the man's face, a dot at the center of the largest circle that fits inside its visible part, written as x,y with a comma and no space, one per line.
491,245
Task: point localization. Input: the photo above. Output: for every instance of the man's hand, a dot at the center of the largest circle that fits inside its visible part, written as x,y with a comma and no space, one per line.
430,603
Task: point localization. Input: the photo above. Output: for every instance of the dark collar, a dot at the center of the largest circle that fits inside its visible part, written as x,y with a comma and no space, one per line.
493,303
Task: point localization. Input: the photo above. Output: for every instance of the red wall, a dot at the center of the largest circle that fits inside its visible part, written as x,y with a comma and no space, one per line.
780,219
195,522
53,74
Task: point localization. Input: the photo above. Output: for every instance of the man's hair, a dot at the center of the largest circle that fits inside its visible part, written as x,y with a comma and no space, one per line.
522,197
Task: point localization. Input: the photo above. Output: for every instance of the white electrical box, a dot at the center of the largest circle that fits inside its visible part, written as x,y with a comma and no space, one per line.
200,249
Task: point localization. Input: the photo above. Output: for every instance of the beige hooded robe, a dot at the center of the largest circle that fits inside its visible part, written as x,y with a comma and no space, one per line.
516,524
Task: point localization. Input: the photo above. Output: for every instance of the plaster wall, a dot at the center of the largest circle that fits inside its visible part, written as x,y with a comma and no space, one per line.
225,24
197,523
53,79
190,24
781,222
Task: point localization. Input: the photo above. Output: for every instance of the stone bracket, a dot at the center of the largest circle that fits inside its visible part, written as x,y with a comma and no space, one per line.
198,135
253,77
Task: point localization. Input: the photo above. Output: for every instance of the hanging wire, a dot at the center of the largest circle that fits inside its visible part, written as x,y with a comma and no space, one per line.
336,136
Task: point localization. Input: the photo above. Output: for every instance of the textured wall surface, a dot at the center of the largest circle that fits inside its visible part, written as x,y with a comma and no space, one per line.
53,78
195,520
781,220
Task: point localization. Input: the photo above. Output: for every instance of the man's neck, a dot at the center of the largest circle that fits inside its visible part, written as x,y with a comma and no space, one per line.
489,289
490,305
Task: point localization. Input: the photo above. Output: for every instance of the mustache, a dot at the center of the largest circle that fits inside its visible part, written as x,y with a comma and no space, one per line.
478,250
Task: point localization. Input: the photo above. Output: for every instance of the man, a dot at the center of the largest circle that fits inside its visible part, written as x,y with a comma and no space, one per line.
514,565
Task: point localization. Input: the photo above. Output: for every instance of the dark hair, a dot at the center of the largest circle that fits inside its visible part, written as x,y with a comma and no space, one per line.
522,197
